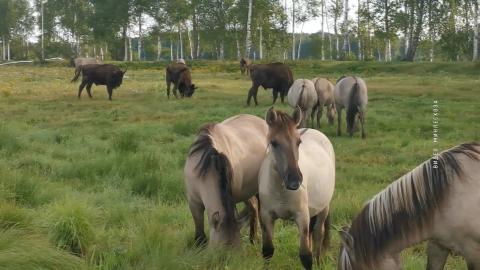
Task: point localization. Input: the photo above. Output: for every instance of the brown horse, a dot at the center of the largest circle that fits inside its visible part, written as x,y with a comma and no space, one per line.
324,90
296,181
437,201
222,170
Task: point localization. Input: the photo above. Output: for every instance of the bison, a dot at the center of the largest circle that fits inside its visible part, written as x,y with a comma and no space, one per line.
245,64
107,74
277,76
180,76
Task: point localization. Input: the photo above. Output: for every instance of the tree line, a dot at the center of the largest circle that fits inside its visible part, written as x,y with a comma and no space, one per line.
137,30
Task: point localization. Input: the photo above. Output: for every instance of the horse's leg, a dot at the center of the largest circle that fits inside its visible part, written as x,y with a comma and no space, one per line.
110,92
80,89
312,116
253,93
252,205
339,122
275,95
362,122
197,210
320,234
89,88
436,256
267,222
305,251
319,113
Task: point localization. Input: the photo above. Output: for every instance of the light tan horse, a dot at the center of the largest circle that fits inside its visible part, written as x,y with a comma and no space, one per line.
437,201
302,94
297,179
222,170
351,93
324,90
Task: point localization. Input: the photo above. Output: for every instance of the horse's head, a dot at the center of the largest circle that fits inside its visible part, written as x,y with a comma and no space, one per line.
284,141
331,111
222,232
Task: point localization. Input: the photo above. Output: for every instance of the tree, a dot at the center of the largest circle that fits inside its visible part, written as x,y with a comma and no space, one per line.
248,38
417,12
476,27
336,10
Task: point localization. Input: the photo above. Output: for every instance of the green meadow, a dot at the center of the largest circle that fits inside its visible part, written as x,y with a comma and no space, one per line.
94,184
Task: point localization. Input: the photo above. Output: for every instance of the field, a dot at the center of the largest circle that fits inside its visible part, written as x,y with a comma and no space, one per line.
94,184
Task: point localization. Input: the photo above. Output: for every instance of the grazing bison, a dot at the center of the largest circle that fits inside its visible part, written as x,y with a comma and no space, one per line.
277,76
245,64
107,74
180,76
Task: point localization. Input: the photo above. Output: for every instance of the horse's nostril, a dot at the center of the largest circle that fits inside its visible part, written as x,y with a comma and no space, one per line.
293,186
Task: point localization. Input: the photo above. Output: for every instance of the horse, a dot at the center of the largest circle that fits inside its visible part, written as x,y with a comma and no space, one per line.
221,170
437,201
302,94
351,93
324,90
296,181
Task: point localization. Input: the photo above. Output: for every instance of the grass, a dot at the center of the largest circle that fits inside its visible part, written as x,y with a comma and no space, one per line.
93,184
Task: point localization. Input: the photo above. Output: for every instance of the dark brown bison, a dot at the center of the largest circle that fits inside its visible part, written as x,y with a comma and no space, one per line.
277,76
179,74
106,74
245,64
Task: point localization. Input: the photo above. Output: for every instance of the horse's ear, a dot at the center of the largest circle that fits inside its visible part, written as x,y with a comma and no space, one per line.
297,115
346,238
271,116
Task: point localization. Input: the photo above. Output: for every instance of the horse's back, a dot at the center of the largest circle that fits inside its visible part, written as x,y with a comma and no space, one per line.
324,89
302,93
317,164
343,88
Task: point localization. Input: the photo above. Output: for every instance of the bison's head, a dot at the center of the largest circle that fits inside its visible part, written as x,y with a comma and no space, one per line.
190,90
118,77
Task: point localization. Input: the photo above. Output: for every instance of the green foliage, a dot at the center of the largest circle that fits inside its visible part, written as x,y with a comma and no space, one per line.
70,227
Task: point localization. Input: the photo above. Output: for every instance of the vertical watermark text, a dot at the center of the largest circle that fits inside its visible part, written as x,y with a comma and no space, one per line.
435,131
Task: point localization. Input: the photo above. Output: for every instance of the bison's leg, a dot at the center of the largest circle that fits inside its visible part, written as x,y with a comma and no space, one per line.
253,93
89,87
282,95
80,89
168,88
175,87
110,92
275,95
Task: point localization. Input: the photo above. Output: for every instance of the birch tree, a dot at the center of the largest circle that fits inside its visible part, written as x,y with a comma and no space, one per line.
248,38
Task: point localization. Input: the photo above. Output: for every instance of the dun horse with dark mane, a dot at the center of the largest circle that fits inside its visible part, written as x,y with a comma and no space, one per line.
351,93
222,170
437,201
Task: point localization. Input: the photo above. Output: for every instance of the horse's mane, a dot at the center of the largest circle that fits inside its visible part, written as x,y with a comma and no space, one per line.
212,158
407,205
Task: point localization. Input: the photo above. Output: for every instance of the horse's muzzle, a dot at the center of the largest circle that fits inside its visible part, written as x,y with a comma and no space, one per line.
294,180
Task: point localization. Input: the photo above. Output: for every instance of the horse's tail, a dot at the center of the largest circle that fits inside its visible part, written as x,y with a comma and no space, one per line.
211,157
353,104
300,102
78,70
326,234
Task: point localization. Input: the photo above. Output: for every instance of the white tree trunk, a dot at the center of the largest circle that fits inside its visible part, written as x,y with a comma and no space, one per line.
8,51
180,41
198,46
323,31
293,29
130,48
261,43
171,50
388,50
360,57
345,28
476,25
3,49
159,48
101,53
248,39
140,37
238,46
125,55
189,35
94,51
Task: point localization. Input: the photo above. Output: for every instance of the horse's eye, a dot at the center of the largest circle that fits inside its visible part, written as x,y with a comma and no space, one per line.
299,142
274,143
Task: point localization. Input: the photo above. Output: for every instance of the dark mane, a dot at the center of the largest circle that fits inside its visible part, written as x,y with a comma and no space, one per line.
406,205
212,159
